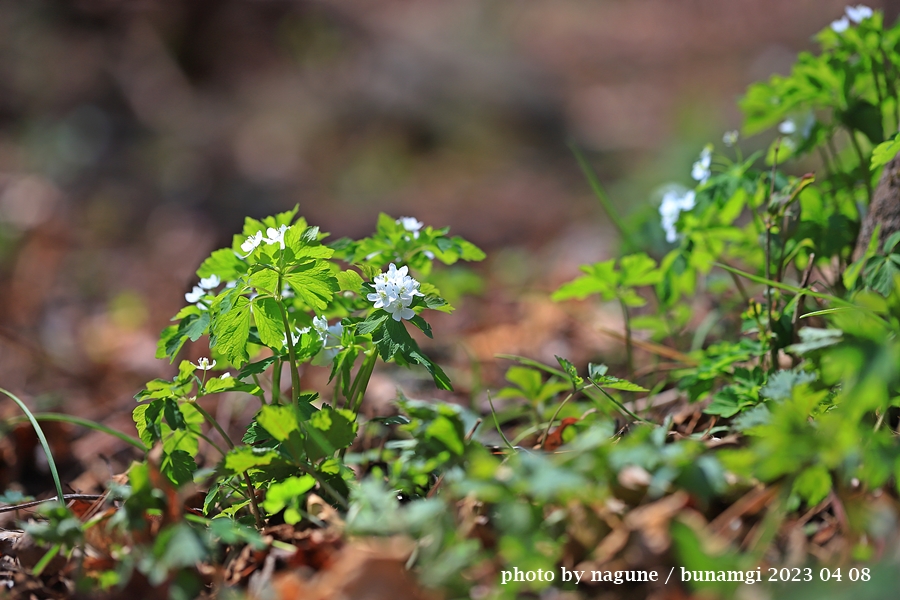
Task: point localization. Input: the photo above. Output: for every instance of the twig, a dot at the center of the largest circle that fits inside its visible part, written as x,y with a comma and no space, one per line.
66,497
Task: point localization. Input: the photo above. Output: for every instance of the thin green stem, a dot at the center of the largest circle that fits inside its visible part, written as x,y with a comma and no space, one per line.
497,422
43,440
863,165
324,484
629,350
600,194
618,404
250,489
295,374
543,439
276,381
361,382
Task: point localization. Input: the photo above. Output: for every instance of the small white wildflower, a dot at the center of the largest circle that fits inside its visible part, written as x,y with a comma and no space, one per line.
295,336
230,285
428,254
211,282
252,242
730,138
858,13
787,127
287,292
195,295
411,224
394,292
225,376
700,171
275,236
331,339
840,25
674,202
204,365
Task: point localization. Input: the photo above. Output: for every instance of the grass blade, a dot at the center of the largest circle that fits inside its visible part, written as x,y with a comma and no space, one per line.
43,439
83,423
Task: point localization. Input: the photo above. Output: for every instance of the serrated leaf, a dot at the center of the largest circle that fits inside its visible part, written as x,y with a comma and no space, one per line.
349,281
224,263
178,466
313,283
614,383
269,324
255,368
231,331
570,371
780,385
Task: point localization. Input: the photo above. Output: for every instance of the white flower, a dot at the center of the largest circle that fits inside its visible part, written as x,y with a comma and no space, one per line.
225,376
331,339
204,364
857,13
211,282
840,25
411,224
295,336
730,138
195,295
787,127
700,170
252,242
674,202
275,236
394,292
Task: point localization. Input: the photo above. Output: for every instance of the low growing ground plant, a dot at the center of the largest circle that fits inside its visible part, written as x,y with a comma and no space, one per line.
747,429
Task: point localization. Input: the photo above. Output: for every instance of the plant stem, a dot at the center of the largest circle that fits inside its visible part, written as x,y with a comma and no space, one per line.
276,381
629,357
600,194
250,489
863,165
361,381
295,375
497,423
543,438
325,485
43,440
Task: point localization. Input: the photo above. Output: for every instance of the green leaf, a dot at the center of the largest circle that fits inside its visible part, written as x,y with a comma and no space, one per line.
287,494
813,484
330,430
231,331
349,281
178,466
279,421
224,263
256,368
614,383
885,152
639,269
601,279
243,458
313,283
269,323
570,370
448,432
813,339
781,384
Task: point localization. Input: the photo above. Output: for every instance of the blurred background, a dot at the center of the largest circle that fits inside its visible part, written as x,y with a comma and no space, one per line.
135,135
